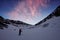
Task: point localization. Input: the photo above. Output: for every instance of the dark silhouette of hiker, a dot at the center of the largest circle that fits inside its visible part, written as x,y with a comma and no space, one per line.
20,32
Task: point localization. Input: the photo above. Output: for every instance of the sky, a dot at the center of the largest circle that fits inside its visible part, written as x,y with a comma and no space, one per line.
28,11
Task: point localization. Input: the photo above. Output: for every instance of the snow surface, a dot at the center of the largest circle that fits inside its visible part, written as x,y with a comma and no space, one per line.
51,31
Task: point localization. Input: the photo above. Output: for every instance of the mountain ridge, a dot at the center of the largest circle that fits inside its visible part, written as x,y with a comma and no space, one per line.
4,22
55,13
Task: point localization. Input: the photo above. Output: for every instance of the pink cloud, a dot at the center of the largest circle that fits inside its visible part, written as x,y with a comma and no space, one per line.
28,9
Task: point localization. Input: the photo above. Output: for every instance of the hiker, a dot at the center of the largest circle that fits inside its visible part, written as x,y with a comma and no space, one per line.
20,31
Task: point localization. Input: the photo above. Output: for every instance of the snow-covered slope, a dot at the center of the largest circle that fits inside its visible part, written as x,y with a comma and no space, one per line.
50,32
56,13
4,23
